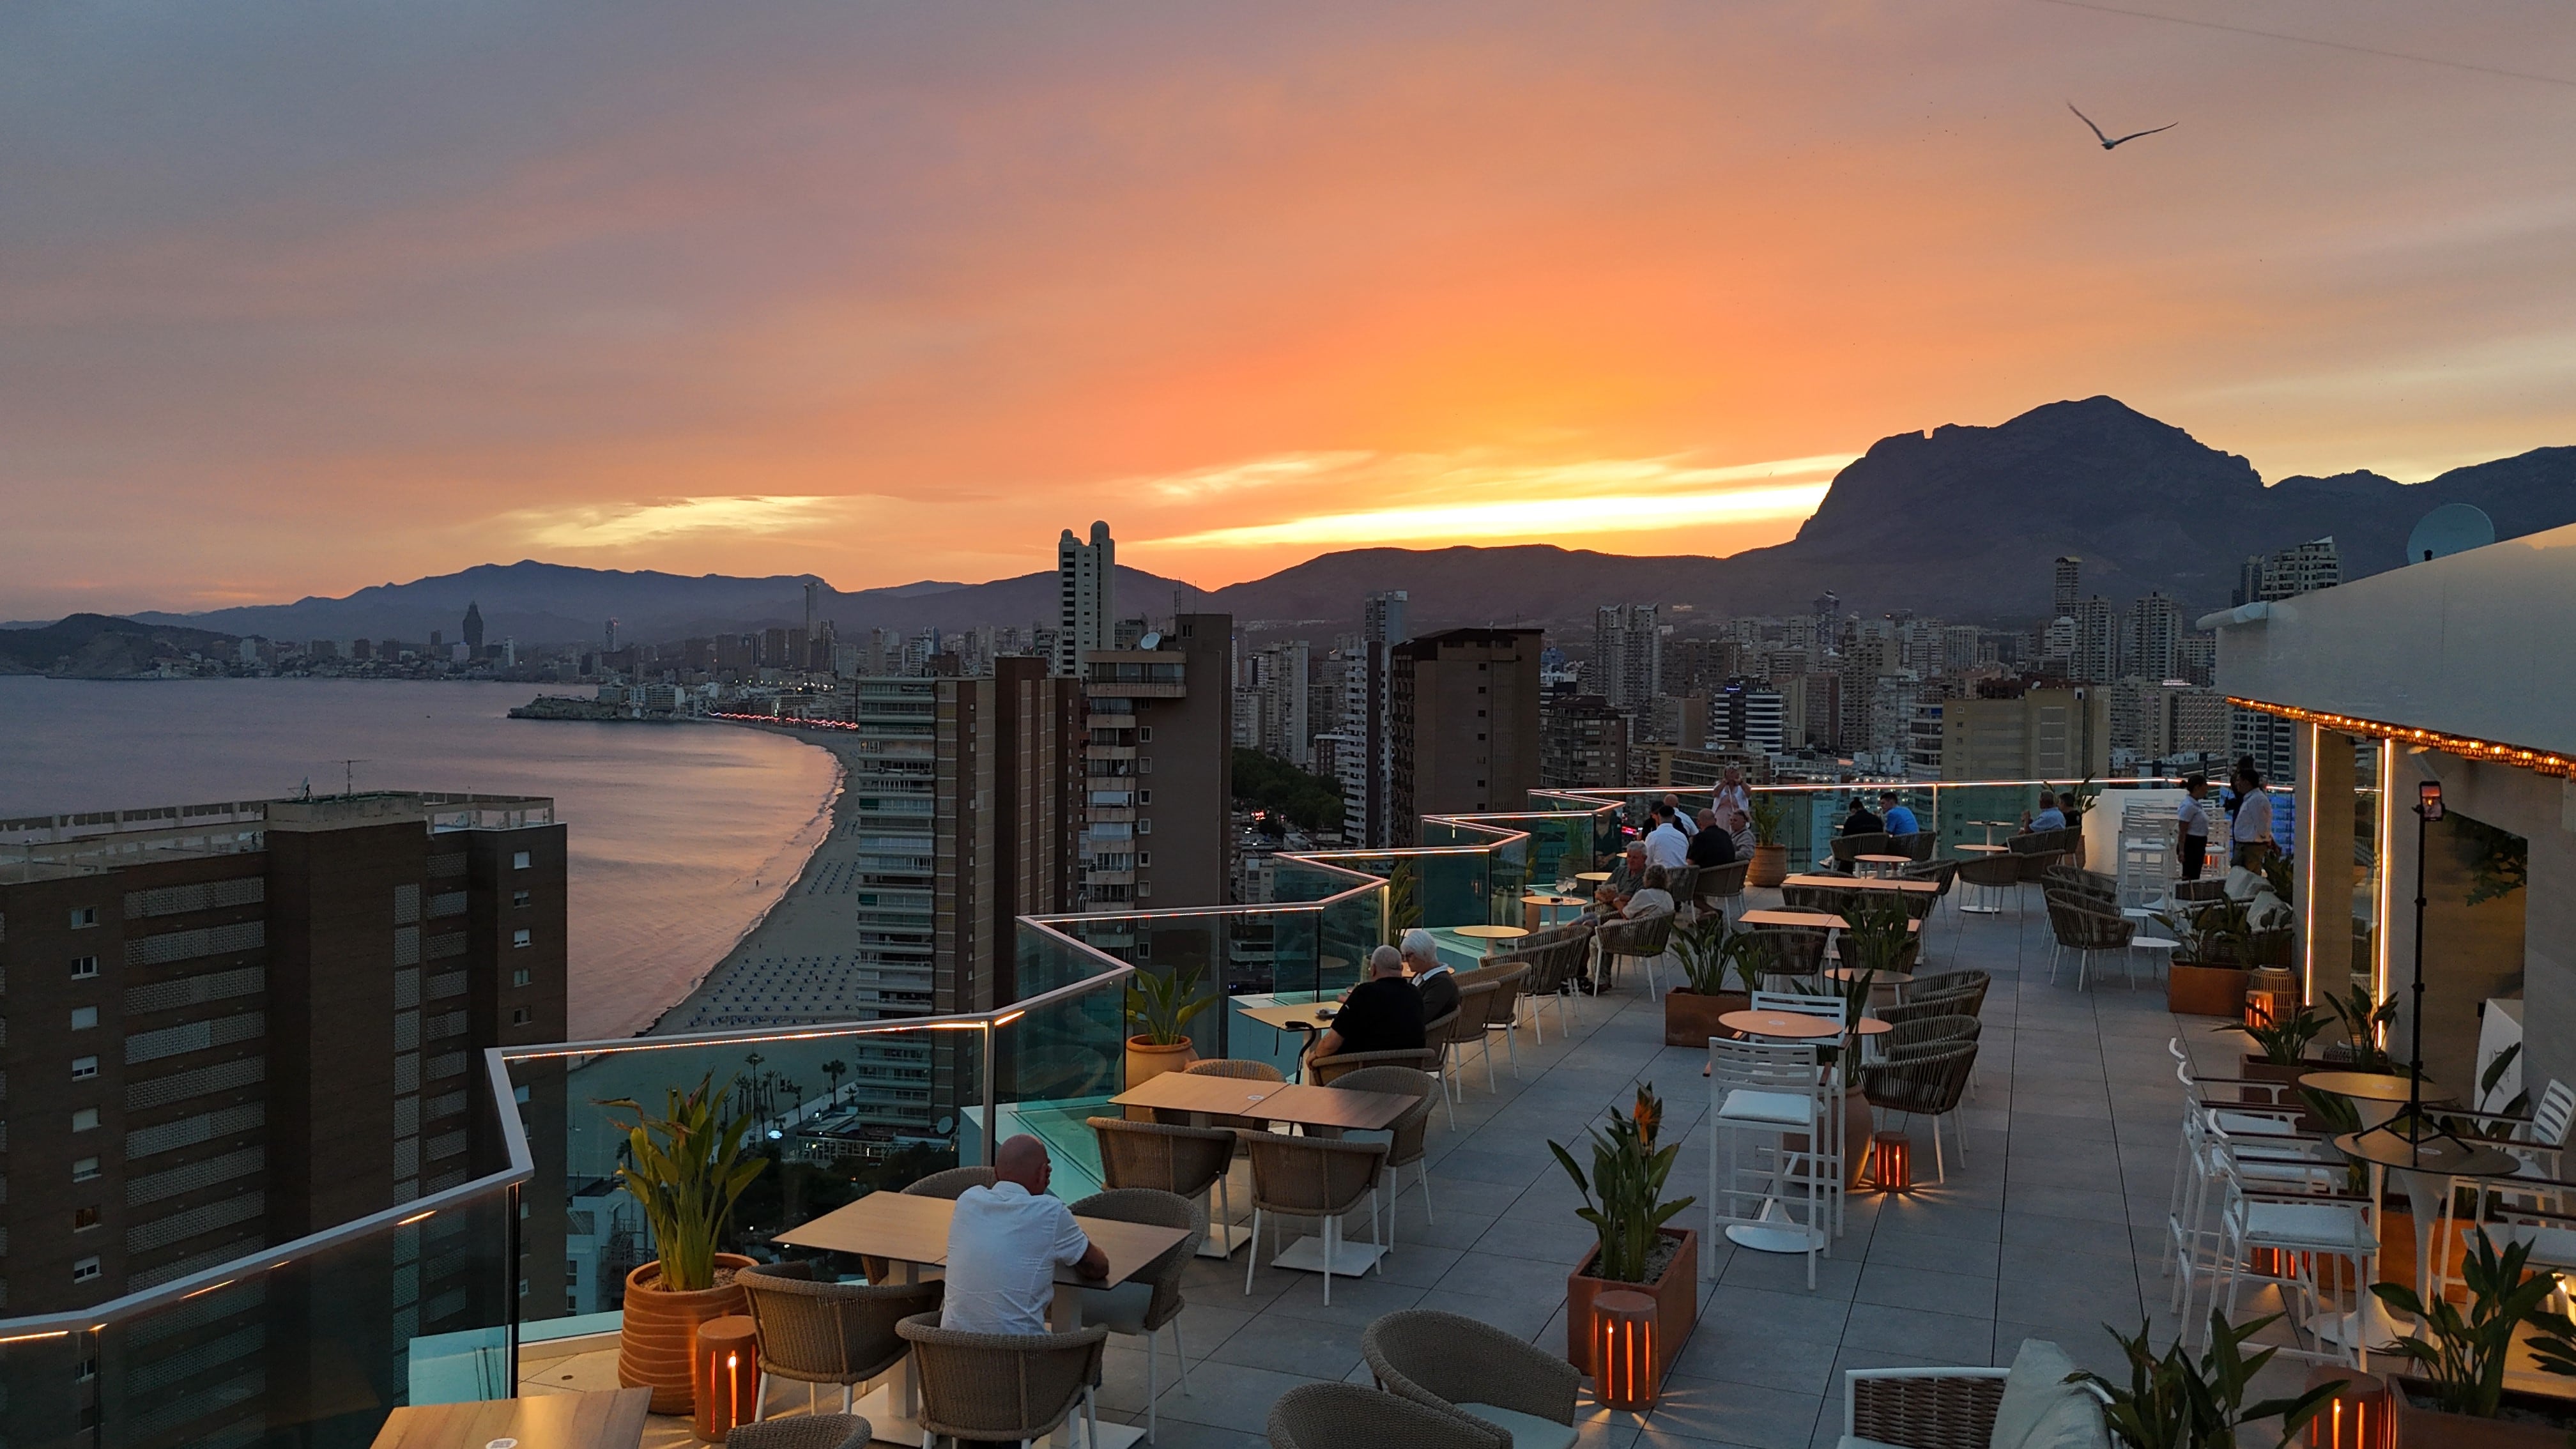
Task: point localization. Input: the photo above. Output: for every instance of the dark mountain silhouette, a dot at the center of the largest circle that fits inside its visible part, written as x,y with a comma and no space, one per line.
95,646
1962,522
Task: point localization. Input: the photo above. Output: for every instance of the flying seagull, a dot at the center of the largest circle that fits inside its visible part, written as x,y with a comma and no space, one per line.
2108,142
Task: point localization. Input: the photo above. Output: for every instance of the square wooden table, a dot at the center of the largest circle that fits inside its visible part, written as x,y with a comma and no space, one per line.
609,1419
1194,1092
913,1232
1813,920
1291,1016
1862,883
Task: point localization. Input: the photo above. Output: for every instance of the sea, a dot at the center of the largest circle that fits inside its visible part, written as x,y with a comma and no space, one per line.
681,835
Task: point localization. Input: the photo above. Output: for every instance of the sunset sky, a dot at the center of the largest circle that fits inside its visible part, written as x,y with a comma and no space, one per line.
296,299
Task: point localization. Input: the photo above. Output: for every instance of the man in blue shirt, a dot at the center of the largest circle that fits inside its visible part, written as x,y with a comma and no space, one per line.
2049,817
1900,820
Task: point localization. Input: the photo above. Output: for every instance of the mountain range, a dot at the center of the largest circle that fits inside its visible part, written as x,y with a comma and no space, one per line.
1962,522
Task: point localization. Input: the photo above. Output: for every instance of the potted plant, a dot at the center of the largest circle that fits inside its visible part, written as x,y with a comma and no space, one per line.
2456,1397
2213,951
1770,857
1710,952
2281,1044
2363,1023
1624,1202
685,1168
1161,1007
2174,1403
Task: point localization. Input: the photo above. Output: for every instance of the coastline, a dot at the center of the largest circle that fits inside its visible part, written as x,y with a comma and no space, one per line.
812,920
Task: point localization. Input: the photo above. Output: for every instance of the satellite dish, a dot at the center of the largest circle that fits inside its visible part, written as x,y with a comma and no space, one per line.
1155,640
2449,529
946,1124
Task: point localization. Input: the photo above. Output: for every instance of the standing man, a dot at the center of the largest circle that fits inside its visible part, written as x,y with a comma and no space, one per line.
2252,829
2194,817
1731,795
1667,844
1681,818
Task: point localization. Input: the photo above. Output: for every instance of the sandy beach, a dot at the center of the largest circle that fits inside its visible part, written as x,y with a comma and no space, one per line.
791,966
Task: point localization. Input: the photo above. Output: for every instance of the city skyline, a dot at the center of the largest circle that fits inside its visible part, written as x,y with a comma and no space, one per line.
375,303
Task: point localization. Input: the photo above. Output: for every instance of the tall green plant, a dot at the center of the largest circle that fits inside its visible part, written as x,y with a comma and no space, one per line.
2362,1023
1403,898
2174,1403
1624,1198
1161,1007
2220,933
2462,1356
1709,950
686,1168
1769,817
1881,935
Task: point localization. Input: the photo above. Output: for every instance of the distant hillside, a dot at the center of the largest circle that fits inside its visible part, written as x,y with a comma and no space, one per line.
95,646
1962,522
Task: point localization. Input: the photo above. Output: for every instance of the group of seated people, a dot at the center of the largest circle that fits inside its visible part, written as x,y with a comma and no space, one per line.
1893,817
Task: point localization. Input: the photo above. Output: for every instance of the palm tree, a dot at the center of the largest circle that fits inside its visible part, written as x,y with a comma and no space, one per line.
833,1072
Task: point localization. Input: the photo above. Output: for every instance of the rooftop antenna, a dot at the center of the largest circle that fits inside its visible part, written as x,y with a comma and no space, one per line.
349,775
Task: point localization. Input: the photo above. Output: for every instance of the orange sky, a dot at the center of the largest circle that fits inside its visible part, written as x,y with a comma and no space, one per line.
295,303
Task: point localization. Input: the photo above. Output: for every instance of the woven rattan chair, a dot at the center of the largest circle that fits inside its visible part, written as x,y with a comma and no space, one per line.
827,1333
1796,953
1490,1376
1850,848
1003,1385
1720,884
1308,1177
949,1184
1682,881
1971,984
2075,879
2035,851
1435,1039
1346,1416
1924,1081
1324,1071
1466,1026
1943,1408
1918,1030
1645,939
1405,1135
805,1431
1994,877
1183,1161
1502,1013
1829,899
1118,1309
2085,931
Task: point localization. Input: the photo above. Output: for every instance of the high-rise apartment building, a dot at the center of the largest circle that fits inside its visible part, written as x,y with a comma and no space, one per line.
2316,564
239,1024
1465,706
1583,742
2095,658
1365,759
2165,719
2152,648
1282,723
474,631
1161,769
1627,658
2067,588
2037,734
1748,715
1086,597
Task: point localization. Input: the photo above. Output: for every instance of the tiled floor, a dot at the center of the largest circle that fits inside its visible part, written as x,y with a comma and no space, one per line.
2051,1227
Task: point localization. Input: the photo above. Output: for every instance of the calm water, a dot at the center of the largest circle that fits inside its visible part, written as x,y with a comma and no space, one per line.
681,835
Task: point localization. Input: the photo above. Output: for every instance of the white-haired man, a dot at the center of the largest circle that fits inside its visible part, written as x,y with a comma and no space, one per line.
1436,979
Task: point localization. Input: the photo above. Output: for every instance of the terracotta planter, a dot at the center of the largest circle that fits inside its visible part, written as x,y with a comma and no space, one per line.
2421,1426
1858,1125
1770,866
2192,990
1146,1061
1676,1296
660,1330
1690,1019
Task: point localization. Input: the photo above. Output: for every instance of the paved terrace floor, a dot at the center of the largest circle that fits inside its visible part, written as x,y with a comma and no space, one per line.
2051,1227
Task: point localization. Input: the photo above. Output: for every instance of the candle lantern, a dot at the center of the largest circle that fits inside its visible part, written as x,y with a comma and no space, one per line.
1891,1161
2357,1417
1626,1368
725,1372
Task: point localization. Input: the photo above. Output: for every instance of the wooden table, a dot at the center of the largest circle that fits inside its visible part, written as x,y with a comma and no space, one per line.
1886,861
1985,850
1780,1025
1538,909
1991,826
1897,979
1193,1092
609,1419
1812,920
1351,1111
1291,1016
1593,877
1861,883
1492,936
912,1232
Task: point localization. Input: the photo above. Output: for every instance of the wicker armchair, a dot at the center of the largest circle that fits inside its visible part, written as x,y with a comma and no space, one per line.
1919,1007
1928,1080
1849,848
1943,1408
1309,1177
1829,899
1489,1376
1436,1036
1346,1416
1503,1014
1918,845
1404,1147
828,1333
1118,1309
1918,1030
1466,1025
1229,1067
1324,1071
1004,1385
2034,851
1682,882
1995,876
950,1183
2085,931
1719,884
1643,939
1794,952
1183,1161
805,1431
2076,880
1971,984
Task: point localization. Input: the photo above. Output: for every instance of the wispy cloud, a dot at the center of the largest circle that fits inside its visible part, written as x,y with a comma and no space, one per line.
1607,495
615,525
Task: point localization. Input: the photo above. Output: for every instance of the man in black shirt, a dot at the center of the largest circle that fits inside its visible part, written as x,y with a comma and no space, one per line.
1381,1014
1860,821
1711,846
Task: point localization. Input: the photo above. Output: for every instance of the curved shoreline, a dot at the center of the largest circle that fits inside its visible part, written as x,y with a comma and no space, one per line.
799,918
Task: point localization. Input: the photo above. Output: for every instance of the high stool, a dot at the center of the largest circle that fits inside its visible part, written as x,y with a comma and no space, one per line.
1762,1094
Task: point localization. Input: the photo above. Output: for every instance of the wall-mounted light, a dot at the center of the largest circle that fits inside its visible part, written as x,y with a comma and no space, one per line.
2428,799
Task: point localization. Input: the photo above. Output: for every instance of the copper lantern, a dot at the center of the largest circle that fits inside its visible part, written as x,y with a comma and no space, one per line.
725,1373
1626,1368
1891,1161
